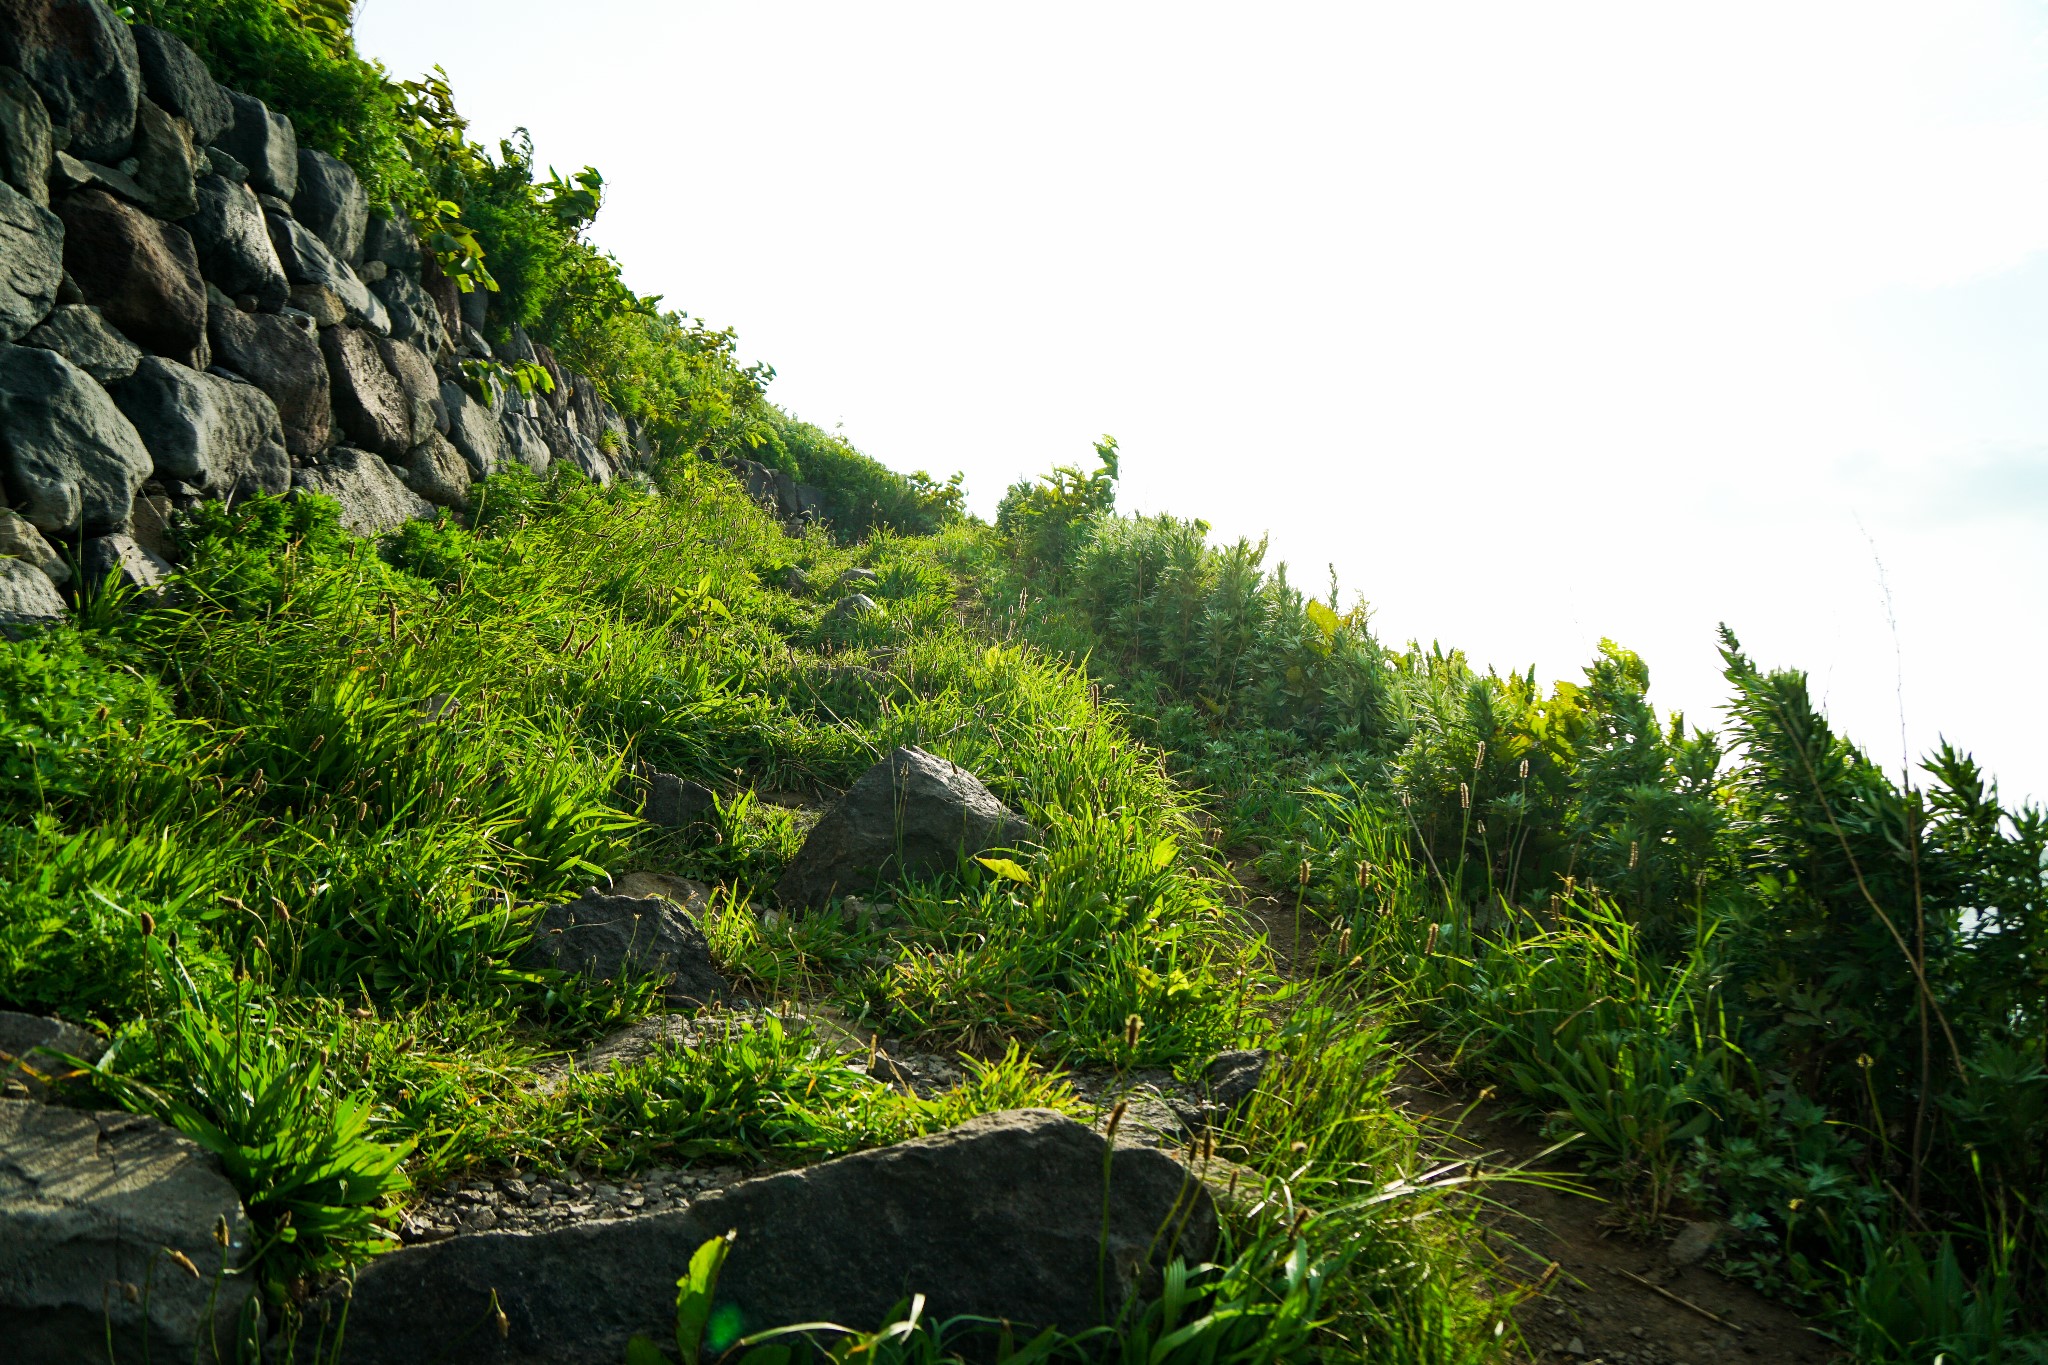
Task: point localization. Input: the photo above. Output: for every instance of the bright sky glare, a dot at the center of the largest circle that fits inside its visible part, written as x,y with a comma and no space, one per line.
1539,323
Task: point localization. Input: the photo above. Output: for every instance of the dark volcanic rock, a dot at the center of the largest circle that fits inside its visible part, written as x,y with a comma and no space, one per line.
71,461
26,142
435,470
1002,1217
81,59
421,386
280,354
32,1051
1231,1077
307,261
175,78
370,404
911,813
88,1205
220,437
143,274
330,201
31,262
166,162
265,143
79,334
233,241
611,937
373,498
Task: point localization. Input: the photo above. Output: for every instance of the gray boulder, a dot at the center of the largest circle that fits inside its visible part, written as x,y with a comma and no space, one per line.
374,500
121,557
676,802
32,1052
421,386
392,241
26,142
143,274
852,607
472,430
233,241
27,596
583,452
857,577
81,59
370,404
330,200
167,162
1003,1217
525,442
308,262
280,354
31,262
175,77
912,813
414,315
90,1205
221,437
436,471
265,143
71,460
20,540
79,334
610,937
1231,1077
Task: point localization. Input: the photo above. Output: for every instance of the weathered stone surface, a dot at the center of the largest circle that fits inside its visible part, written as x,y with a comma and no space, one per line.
436,471
233,242
415,317
32,1051
1693,1243
151,522
611,937
143,274
20,540
175,77
330,201
852,607
121,556
421,386
26,145
392,241
31,262
307,261
676,802
167,162
912,813
221,437
582,452
374,500
89,1203
280,354
857,577
525,442
81,59
71,460
472,430
265,143
27,596
756,478
79,334
1002,1217
695,897
369,403
1231,1077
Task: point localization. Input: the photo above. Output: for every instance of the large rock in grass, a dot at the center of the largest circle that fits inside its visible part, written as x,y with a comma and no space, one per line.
374,500
910,814
143,274
232,238
265,143
120,558
280,354
175,77
71,460
81,58
32,1052
436,471
609,938
31,262
100,1217
1002,1217
27,596
220,437
331,201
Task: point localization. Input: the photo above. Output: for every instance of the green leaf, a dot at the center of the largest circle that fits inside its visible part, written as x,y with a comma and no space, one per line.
693,1296
1327,621
1005,868
641,1351
1162,854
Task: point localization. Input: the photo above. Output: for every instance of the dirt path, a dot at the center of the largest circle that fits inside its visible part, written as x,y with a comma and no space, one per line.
1603,1302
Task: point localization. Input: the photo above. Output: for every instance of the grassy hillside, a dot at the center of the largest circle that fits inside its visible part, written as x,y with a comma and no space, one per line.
283,831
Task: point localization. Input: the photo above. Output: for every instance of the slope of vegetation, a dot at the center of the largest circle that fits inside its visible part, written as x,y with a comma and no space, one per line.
283,832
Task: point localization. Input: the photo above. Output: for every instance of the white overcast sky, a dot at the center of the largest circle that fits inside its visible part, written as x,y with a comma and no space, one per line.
1541,323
